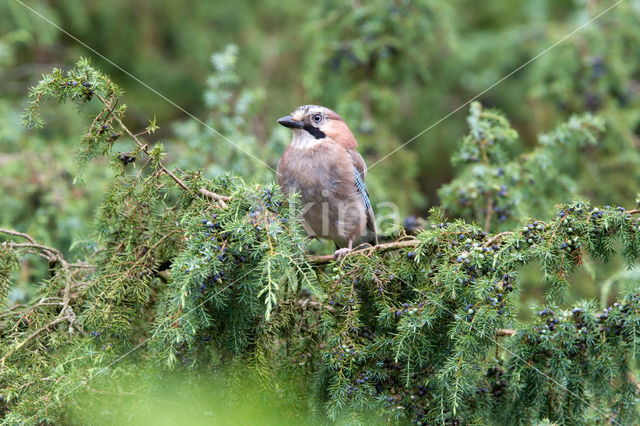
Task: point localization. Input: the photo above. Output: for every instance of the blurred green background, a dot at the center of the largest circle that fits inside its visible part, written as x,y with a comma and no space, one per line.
390,68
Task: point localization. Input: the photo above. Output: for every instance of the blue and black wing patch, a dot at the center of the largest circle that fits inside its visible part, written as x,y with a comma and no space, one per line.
362,189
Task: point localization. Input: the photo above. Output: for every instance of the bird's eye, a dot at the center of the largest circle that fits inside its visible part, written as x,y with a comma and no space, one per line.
317,118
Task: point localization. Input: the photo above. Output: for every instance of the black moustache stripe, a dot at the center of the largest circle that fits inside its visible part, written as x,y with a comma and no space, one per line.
314,131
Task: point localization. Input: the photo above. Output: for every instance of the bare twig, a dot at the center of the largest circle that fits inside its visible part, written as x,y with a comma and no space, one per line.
505,332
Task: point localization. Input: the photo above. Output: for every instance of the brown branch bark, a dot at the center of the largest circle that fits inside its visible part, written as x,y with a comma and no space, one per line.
18,234
380,248
496,237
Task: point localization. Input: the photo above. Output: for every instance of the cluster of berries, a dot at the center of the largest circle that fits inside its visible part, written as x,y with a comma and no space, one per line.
361,379
470,312
87,88
503,204
579,320
443,225
476,251
87,91
532,232
613,319
344,352
551,321
211,224
267,197
571,244
112,137
211,280
498,301
503,211
569,211
408,309
598,213
126,158
213,227
259,217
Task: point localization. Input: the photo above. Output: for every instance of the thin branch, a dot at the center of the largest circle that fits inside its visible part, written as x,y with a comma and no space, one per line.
496,237
82,266
18,234
380,248
49,252
220,199
505,332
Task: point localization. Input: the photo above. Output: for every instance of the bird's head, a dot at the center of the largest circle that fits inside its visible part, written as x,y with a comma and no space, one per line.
313,124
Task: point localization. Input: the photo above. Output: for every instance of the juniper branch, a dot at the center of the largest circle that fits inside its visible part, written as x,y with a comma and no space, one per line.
18,234
380,248
52,255
384,247
220,199
32,336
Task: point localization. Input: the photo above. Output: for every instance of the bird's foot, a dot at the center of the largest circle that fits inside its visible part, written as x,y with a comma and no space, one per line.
341,253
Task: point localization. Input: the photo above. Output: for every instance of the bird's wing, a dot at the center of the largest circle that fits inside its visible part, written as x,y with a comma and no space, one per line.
359,172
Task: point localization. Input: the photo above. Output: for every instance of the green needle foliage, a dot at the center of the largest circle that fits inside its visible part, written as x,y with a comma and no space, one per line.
209,278
493,183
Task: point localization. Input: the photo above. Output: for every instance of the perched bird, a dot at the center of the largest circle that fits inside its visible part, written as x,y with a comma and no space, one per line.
322,164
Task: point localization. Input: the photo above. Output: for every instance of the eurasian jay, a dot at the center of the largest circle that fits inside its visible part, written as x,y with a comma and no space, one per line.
321,164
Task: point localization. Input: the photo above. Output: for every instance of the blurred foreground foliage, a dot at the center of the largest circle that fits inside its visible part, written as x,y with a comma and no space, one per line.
208,279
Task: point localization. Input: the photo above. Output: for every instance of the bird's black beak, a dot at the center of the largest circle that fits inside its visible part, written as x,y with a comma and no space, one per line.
289,122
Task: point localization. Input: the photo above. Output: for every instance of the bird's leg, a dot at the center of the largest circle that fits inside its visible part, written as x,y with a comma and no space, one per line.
340,253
